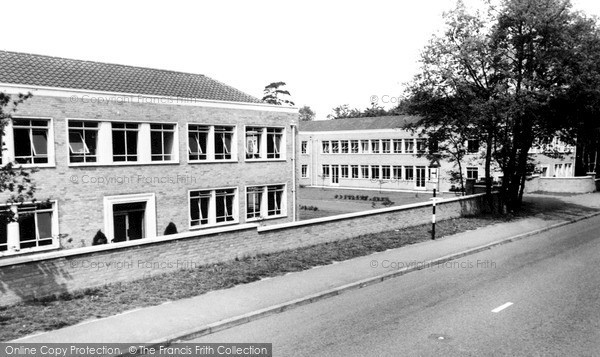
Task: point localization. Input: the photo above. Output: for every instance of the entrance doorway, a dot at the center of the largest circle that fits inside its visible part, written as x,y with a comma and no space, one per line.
128,221
420,177
335,174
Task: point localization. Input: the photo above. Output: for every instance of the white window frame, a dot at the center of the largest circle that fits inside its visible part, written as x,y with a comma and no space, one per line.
470,170
326,147
149,213
212,211
55,230
354,146
363,169
264,204
8,155
304,147
345,174
264,136
174,149
365,144
304,171
354,171
210,144
384,149
104,152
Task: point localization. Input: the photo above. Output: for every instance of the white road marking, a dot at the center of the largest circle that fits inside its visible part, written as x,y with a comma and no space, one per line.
502,307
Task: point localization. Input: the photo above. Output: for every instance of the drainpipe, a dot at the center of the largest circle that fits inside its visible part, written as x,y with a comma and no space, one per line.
294,191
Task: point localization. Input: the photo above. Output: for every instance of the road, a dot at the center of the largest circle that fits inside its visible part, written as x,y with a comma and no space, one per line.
552,281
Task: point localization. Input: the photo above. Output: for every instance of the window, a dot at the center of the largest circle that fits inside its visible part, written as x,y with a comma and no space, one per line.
354,171
207,143
198,142
397,145
274,143
386,146
354,146
544,171
253,143
223,142
325,147
304,147
433,145
364,171
409,173
344,171
473,173
375,172
125,142
344,144
304,171
335,147
409,146
37,223
375,146
213,207
364,146
472,145
265,201
558,170
253,202
83,141
385,172
275,200
161,141
325,171
397,172
421,146
568,170
31,141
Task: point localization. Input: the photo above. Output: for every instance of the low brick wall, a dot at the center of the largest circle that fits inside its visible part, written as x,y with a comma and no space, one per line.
52,273
580,184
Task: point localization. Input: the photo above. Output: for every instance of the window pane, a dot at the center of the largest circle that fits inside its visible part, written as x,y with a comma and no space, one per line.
22,145
40,142
27,230
156,143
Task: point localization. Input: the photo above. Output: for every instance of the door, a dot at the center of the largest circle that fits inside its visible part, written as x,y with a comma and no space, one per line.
128,221
335,174
420,177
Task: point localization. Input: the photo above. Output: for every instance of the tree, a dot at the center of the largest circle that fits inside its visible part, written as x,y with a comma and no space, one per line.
14,180
507,76
344,112
275,94
306,114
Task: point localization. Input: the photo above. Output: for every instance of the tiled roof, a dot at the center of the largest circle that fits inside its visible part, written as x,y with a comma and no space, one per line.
370,123
46,71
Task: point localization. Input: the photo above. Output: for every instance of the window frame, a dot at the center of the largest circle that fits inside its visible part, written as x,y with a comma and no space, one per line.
304,171
264,204
212,212
104,153
211,140
8,142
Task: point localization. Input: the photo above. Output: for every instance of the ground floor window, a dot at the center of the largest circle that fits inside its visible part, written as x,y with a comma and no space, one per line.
213,207
304,171
265,201
473,173
37,227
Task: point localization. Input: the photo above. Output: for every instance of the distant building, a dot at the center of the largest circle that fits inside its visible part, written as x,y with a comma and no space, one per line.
380,153
129,150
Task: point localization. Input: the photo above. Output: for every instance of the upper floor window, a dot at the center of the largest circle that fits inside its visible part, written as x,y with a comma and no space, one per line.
161,141
472,145
31,144
335,147
473,173
397,144
409,146
304,147
421,146
94,142
325,147
344,144
274,143
83,141
125,141
364,146
386,146
375,146
207,142
354,146
264,143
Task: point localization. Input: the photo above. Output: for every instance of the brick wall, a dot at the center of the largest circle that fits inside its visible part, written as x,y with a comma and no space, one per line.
80,204
62,271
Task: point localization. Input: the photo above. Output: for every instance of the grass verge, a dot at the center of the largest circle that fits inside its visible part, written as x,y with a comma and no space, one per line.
69,309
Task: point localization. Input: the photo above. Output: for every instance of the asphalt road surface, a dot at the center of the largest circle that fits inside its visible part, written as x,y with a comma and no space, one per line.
537,296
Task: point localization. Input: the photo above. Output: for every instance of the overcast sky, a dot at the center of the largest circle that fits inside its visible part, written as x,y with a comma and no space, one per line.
329,53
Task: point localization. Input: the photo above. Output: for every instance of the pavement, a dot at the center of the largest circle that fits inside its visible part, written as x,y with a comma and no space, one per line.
222,309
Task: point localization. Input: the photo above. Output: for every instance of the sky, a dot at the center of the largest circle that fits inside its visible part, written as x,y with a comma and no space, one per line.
328,52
